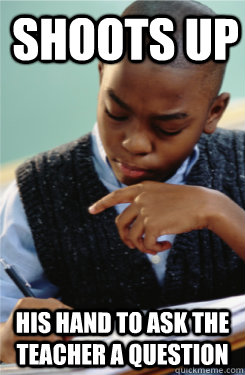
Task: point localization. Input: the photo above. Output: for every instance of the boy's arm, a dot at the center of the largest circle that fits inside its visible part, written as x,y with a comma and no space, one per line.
18,250
226,219
159,208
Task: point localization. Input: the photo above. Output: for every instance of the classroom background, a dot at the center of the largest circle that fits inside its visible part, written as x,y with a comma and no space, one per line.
45,105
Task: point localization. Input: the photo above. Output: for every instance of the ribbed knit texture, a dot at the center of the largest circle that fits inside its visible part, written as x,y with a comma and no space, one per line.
83,254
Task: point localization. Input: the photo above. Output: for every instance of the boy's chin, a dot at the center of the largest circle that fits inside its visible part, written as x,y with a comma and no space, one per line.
130,181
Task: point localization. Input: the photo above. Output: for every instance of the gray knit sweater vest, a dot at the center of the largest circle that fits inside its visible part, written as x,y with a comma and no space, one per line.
83,255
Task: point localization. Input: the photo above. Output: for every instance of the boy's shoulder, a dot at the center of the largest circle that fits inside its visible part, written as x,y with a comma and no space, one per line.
224,143
62,153
221,163
68,148
60,165
222,158
224,137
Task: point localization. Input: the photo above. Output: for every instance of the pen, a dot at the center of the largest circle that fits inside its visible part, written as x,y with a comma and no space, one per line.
23,285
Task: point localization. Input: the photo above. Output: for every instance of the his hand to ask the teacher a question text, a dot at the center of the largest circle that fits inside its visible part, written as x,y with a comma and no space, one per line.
7,335
159,208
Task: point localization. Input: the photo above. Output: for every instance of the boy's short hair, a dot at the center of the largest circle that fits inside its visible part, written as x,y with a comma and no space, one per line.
178,10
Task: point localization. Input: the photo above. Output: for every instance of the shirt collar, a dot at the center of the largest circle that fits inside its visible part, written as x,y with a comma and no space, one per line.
105,172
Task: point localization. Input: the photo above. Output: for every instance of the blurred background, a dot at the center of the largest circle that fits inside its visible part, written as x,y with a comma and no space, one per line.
45,105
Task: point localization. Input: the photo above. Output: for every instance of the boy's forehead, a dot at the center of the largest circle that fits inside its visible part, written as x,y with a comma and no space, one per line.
148,70
153,83
156,86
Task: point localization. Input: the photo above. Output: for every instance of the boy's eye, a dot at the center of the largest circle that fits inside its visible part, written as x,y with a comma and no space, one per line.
116,118
160,130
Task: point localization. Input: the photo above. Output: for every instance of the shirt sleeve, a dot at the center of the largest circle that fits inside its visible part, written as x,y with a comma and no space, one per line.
18,249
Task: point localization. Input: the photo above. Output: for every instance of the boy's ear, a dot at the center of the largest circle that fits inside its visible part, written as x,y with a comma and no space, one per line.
101,69
216,111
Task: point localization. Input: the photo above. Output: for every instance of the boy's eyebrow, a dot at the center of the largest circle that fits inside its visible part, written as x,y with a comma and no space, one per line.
167,117
118,100
171,116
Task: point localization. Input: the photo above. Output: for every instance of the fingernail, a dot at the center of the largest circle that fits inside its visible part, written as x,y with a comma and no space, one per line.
91,209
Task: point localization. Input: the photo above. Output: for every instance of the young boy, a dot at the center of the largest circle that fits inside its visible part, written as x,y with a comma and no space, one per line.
155,148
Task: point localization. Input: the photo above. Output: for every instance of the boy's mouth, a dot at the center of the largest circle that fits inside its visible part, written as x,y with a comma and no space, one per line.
132,171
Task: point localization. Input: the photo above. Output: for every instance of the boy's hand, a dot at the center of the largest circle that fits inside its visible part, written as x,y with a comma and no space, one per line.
156,209
159,208
7,335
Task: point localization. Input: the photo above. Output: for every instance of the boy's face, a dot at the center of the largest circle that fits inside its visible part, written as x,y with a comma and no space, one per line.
150,117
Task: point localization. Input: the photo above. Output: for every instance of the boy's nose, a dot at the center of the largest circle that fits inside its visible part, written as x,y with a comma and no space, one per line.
138,142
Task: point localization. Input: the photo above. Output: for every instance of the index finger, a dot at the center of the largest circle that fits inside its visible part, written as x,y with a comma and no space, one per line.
124,195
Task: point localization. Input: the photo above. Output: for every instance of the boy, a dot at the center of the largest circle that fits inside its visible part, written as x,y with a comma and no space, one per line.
150,119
